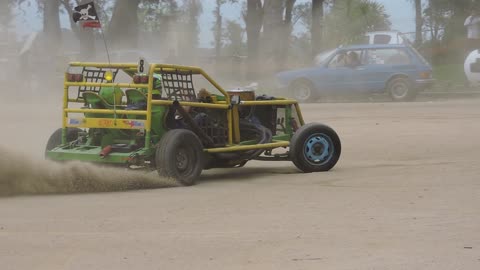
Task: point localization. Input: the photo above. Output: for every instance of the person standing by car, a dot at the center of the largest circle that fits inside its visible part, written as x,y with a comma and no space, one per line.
472,23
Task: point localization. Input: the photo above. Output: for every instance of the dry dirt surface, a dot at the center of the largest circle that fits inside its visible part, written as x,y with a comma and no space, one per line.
405,195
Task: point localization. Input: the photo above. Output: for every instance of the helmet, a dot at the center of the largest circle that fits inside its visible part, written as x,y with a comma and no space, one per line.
157,84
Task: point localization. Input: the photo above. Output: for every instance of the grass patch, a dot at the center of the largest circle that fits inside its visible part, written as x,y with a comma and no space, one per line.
451,73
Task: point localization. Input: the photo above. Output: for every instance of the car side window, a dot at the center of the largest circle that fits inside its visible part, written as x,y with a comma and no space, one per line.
338,61
388,57
351,58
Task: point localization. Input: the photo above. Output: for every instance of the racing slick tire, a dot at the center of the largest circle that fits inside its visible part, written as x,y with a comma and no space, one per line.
401,90
315,148
304,91
56,138
179,156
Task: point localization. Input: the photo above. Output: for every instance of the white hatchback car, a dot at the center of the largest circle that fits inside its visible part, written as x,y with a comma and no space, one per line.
386,37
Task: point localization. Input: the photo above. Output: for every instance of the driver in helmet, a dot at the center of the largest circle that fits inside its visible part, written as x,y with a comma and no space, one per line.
157,87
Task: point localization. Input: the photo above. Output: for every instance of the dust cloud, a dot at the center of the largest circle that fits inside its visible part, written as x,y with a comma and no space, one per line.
22,175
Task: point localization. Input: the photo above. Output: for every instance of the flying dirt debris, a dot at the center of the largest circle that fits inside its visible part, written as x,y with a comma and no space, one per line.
21,175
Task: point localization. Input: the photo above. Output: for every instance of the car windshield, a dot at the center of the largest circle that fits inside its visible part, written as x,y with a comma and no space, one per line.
323,57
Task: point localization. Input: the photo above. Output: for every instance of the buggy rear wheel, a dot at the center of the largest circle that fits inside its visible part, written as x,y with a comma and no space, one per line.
179,156
315,148
56,138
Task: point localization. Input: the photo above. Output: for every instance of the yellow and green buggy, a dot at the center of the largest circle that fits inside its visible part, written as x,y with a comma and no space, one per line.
179,121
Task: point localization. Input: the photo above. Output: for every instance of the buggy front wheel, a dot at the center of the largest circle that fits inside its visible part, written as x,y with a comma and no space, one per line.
179,156
315,148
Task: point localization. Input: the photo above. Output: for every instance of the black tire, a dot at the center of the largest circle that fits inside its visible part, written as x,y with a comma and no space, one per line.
315,148
179,155
304,91
400,90
56,138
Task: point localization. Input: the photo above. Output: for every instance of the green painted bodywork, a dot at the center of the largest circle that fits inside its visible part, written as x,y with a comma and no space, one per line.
92,154
135,146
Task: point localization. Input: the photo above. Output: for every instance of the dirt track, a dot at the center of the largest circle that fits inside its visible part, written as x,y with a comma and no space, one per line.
405,195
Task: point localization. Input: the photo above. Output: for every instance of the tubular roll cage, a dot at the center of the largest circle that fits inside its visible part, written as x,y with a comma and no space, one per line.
231,109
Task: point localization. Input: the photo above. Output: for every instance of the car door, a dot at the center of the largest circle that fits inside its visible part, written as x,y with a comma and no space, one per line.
381,65
343,77
357,80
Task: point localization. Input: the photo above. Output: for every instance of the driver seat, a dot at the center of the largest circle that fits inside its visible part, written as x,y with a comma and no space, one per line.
95,101
136,99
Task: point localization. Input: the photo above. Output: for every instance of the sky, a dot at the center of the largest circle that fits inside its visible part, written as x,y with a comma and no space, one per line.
401,15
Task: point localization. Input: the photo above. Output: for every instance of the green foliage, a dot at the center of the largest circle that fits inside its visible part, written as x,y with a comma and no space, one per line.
345,21
452,73
5,15
436,16
349,20
234,38
190,13
156,14
445,30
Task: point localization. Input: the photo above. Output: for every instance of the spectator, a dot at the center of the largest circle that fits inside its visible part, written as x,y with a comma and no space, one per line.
472,23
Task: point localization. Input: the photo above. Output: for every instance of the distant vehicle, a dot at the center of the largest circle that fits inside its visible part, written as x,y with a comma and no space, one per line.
398,70
373,38
386,37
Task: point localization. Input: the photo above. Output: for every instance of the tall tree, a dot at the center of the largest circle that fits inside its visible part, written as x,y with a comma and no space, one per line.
189,40
418,22
286,33
7,42
157,15
317,23
51,25
123,27
233,36
272,33
348,20
5,15
85,36
157,20
253,20
217,28
435,17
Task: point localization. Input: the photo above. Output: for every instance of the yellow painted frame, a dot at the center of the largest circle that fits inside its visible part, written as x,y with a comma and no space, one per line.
85,122
232,118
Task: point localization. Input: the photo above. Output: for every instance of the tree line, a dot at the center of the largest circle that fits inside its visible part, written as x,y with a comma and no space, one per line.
440,30
263,35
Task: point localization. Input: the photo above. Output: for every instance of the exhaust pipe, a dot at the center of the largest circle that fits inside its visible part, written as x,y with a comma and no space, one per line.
105,151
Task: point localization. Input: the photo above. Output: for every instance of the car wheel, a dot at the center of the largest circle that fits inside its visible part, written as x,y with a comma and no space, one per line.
315,148
303,91
400,89
179,156
56,138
